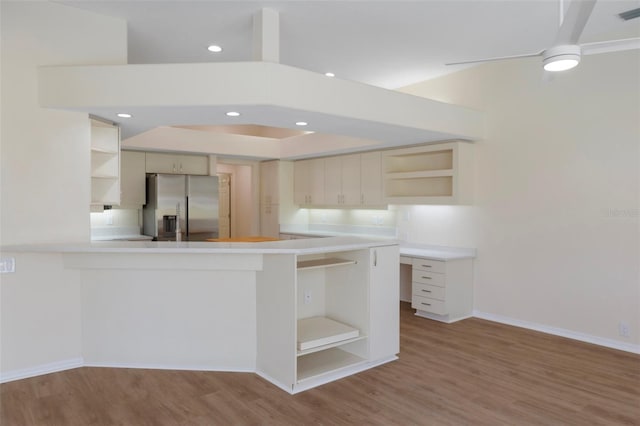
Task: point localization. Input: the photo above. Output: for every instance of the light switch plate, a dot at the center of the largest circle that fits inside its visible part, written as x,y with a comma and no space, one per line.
7,265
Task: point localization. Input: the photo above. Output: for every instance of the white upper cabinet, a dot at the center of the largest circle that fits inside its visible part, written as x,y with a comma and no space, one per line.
180,164
342,180
269,182
371,179
132,178
105,164
308,185
353,180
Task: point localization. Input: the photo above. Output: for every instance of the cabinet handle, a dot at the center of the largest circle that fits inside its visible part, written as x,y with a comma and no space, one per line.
426,304
426,291
375,258
426,266
427,278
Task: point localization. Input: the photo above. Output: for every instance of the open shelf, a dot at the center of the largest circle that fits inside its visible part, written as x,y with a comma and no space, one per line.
429,174
323,263
315,332
328,361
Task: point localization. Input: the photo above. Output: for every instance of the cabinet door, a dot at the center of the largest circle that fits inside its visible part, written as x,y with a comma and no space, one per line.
371,178
132,179
301,181
316,181
160,163
384,277
269,224
333,180
269,193
350,174
192,164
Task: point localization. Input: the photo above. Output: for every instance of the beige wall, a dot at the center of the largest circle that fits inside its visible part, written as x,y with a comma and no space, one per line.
45,188
556,218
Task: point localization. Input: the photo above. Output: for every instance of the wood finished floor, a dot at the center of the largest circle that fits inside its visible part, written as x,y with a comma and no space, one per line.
474,372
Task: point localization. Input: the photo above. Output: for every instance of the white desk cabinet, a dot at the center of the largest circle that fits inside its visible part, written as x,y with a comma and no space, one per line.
442,290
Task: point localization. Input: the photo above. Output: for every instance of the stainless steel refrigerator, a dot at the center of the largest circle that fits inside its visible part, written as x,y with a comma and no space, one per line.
188,204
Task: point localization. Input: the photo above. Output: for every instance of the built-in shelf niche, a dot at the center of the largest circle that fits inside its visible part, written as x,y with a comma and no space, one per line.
429,174
105,163
332,326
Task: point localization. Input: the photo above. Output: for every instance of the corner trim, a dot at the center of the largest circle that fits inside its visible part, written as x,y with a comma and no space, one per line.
39,370
562,332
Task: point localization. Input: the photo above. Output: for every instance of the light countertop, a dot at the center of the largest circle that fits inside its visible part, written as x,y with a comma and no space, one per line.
425,251
301,246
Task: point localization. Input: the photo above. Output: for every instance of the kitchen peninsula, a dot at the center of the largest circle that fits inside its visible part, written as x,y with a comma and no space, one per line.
299,313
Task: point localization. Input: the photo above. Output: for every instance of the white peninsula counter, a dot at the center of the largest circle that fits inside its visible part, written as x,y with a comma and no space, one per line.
298,313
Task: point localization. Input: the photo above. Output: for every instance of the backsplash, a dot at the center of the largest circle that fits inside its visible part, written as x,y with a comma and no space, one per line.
116,223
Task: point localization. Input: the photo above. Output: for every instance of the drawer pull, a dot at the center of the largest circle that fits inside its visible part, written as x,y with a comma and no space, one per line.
426,304
427,278
426,266
426,291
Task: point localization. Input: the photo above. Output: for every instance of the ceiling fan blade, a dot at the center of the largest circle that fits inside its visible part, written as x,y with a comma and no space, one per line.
574,21
610,46
499,58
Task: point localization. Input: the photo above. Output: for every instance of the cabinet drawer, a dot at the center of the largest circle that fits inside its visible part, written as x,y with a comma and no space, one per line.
426,290
405,260
429,265
425,277
429,305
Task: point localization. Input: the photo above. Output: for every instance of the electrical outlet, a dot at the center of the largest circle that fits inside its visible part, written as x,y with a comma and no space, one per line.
307,297
623,329
7,265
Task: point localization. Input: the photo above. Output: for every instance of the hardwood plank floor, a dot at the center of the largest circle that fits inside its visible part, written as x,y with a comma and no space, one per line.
473,372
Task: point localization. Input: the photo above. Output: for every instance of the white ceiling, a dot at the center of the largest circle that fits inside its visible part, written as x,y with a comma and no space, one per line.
383,43
388,44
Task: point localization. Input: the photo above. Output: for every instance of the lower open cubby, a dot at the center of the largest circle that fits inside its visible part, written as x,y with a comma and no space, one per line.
321,363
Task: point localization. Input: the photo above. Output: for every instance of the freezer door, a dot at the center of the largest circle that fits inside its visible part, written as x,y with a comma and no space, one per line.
202,194
171,202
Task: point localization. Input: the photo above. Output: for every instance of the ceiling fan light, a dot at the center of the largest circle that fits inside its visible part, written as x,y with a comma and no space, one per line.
561,63
561,58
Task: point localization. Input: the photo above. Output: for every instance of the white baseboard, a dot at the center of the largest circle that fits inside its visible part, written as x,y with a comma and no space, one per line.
39,370
609,343
166,367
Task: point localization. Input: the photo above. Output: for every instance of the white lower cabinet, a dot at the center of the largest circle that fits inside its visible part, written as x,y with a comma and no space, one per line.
442,290
338,316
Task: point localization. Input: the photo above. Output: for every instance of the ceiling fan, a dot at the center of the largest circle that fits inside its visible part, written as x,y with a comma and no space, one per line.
566,51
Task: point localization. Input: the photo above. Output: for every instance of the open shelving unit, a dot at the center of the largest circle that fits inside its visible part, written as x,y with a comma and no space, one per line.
332,314
429,174
105,164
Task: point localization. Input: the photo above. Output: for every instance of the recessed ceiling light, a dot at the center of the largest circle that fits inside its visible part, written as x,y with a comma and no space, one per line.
329,74
233,114
214,48
301,123
124,115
